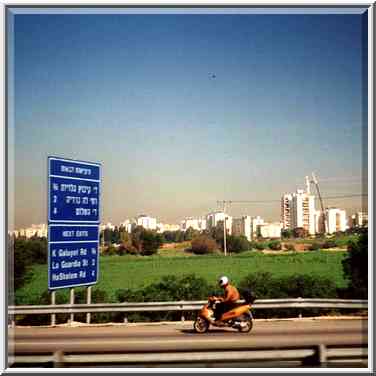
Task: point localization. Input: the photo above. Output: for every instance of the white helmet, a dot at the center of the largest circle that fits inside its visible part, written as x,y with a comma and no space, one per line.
223,281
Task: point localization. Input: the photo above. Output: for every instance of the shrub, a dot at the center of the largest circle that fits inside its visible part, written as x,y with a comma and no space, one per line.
145,241
169,288
290,247
355,267
237,244
257,245
286,233
203,244
275,245
314,247
300,232
265,286
329,244
110,251
131,250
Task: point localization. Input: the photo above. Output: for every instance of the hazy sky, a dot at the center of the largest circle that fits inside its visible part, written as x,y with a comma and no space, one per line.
135,92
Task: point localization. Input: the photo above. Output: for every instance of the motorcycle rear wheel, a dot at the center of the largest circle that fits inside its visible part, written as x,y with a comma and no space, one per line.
247,324
201,325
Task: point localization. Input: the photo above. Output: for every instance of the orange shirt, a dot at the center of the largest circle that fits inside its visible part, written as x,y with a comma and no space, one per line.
231,294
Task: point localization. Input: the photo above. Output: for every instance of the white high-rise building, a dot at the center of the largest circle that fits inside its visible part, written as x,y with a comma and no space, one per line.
196,223
319,222
286,211
336,220
303,211
298,210
212,220
242,226
146,222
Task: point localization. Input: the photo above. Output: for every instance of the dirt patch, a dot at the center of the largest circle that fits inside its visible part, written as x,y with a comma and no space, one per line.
302,247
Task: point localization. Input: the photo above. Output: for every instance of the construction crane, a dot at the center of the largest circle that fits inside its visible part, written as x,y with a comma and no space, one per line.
314,180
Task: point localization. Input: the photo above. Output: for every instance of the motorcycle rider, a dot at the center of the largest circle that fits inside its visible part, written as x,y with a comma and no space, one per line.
228,300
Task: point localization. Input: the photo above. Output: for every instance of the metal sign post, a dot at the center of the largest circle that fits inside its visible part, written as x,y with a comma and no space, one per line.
71,301
53,315
88,301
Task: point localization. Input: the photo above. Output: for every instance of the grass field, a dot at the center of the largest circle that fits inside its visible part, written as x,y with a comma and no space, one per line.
118,272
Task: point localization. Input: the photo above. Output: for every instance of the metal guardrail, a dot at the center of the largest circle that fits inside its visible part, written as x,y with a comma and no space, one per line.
182,306
318,355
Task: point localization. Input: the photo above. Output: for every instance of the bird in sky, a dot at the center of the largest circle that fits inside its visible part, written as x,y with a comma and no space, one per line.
212,75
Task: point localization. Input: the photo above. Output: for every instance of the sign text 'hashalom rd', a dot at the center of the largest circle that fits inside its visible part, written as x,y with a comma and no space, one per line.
73,223
74,191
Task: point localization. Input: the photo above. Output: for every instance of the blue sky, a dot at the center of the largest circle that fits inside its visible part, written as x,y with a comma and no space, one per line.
135,93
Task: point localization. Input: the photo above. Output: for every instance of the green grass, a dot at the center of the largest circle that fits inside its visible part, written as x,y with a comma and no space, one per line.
119,272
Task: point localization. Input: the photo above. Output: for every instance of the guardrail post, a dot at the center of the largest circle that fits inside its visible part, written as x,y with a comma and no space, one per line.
322,354
53,302
300,311
88,301
58,359
71,301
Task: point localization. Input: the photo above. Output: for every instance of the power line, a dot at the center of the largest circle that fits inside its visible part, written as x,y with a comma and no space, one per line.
271,201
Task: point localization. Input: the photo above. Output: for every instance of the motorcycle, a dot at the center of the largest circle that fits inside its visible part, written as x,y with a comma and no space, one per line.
240,317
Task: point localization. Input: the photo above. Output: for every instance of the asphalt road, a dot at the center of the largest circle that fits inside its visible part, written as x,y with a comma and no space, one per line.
180,336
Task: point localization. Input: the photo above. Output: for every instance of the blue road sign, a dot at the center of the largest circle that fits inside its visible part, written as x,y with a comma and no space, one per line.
73,191
73,223
72,264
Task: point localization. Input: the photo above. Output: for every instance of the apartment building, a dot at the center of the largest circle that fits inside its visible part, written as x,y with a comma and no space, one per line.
319,222
162,227
255,223
212,220
242,226
336,220
146,222
358,219
298,210
196,223
40,230
270,230
286,210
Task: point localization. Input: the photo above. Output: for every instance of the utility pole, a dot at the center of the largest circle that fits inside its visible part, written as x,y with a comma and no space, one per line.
224,202
224,228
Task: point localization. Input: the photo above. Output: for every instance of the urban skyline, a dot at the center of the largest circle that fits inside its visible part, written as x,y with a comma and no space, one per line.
183,110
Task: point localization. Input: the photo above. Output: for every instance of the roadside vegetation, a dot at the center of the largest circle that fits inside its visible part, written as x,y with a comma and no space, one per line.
188,269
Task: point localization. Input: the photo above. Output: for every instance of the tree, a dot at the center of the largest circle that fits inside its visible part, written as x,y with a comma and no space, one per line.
203,244
300,232
286,233
275,245
217,234
237,244
145,241
355,267
107,236
115,236
151,242
191,233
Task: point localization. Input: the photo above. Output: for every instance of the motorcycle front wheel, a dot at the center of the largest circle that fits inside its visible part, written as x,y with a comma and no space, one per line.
201,325
246,324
